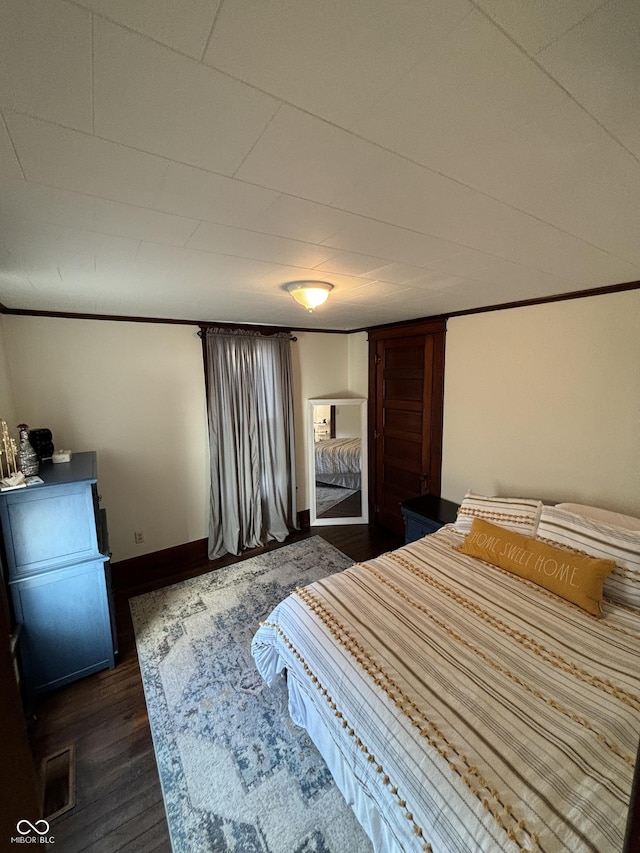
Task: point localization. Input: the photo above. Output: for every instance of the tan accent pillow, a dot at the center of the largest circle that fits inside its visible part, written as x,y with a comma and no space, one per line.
574,577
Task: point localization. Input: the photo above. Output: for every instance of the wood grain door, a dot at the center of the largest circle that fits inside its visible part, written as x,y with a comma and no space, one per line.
406,419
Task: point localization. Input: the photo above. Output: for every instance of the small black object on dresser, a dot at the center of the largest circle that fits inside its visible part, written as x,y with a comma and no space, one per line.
426,514
42,442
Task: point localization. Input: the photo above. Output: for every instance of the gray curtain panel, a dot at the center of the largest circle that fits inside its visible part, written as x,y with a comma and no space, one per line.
251,439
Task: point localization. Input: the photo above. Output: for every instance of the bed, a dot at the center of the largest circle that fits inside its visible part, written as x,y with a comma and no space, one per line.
463,707
338,462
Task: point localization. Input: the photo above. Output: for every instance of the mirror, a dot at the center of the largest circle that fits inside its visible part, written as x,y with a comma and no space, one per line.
338,461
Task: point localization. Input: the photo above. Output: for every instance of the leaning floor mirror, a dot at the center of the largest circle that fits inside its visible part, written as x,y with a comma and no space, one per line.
337,461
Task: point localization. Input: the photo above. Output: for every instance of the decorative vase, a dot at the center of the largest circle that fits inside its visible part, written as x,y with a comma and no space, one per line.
27,458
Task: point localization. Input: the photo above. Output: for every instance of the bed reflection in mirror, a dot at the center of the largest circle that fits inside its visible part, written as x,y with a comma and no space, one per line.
337,474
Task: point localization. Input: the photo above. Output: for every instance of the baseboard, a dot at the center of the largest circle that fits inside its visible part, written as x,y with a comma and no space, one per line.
138,570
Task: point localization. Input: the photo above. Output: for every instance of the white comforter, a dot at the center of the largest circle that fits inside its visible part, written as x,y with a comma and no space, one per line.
461,708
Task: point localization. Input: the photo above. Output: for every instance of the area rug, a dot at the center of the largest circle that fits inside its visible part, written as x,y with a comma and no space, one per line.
329,496
236,774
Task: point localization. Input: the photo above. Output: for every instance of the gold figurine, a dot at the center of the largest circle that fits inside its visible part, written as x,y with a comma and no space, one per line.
9,445
10,477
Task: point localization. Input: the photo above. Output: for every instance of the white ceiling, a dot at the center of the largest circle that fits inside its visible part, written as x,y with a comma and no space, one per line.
187,158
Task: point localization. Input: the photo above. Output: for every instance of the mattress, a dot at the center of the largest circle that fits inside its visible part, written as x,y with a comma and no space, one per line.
460,707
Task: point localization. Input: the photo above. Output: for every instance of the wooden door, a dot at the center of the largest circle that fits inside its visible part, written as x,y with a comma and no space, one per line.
406,385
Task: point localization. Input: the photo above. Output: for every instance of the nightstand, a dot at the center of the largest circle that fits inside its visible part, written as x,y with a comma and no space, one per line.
426,514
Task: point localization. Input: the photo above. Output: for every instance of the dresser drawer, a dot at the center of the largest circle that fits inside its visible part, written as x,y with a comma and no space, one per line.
48,527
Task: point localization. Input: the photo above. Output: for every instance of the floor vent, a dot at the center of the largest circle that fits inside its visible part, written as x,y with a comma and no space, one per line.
59,780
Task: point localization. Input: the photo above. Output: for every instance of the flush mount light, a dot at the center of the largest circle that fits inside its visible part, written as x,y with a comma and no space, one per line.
310,293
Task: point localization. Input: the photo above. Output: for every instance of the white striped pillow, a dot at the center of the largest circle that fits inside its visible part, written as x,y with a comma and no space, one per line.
597,539
517,514
602,516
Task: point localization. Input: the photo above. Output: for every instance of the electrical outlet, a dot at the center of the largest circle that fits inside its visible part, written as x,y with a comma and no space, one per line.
138,537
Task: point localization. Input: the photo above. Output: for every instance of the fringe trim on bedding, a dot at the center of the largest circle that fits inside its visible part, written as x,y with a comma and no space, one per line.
491,799
524,685
417,830
551,657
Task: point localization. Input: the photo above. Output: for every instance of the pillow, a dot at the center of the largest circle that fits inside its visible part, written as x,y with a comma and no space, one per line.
616,519
574,577
599,540
517,514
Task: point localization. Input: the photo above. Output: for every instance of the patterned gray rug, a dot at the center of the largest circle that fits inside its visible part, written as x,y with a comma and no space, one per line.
329,496
236,774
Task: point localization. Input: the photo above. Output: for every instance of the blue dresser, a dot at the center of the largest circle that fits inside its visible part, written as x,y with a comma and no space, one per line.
57,561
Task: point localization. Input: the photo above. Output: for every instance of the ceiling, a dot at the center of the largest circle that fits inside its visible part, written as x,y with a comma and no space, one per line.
186,159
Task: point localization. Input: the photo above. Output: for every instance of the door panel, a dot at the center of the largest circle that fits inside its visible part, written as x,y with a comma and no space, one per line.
403,390
404,357
406,454
402,422
399,480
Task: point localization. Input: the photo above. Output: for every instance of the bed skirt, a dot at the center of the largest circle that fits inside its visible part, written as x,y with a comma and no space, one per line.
304,714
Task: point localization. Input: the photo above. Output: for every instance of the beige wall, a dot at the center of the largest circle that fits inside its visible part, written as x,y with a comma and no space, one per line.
540,401
358,353
7,407
544,401
321,365
134,392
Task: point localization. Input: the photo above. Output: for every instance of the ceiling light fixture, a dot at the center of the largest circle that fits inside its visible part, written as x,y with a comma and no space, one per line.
310,293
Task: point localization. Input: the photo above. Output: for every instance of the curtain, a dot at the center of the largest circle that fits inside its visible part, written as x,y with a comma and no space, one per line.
251,439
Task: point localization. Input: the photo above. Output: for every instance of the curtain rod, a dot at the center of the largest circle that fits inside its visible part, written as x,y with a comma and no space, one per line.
244,333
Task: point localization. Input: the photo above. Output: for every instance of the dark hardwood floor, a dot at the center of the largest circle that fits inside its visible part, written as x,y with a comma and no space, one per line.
350,507
119,803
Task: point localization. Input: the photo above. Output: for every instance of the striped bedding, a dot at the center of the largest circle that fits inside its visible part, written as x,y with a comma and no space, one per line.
461,708
338,463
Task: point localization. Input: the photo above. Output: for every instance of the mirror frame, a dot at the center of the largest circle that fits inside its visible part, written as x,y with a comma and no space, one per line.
363,518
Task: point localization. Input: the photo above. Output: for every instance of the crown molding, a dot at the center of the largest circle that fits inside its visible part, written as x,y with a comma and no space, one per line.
504,306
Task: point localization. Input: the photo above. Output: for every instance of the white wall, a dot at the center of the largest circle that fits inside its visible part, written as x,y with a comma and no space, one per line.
544,401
